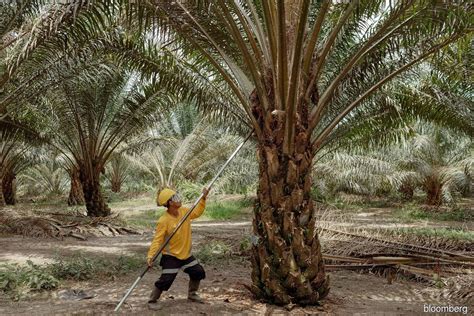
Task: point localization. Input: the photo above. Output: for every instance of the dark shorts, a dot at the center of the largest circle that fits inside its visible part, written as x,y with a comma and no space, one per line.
171,265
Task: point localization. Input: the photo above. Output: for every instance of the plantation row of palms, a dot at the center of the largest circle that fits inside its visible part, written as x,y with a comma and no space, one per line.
186,153
95,80
179,148
436,161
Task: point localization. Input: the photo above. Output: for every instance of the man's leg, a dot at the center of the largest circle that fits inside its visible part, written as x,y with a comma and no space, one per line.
196,274
170,267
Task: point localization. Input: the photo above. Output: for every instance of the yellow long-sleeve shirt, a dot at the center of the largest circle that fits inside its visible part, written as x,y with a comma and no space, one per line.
180,245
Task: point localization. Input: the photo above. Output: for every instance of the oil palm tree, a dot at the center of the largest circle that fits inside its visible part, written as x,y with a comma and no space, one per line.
300,70
36,35
48,172
89,116
183,146
13,152
360,173
436,160
47,177
76,193
68,166
117,171
443,162
17,152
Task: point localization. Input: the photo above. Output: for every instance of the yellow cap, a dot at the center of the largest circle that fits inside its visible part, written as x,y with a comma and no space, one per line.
164,195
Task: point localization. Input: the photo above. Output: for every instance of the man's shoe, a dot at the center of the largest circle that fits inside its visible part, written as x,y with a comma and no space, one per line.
195,298
192,292
154,306
153,301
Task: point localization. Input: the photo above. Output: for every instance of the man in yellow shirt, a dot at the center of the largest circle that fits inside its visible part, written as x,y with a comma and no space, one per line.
177,254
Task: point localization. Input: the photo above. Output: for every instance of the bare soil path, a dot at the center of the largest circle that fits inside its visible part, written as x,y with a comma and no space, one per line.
224,293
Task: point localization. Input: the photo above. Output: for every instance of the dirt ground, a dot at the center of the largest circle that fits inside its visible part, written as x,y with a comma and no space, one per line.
223,289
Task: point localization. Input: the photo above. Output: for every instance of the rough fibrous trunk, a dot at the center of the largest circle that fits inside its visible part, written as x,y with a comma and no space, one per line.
76,195
407,192
433,191
116,184
287,260
2,199
9,188
467,189
95,203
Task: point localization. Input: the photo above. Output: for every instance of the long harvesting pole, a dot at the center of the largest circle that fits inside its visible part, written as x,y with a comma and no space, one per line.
181,222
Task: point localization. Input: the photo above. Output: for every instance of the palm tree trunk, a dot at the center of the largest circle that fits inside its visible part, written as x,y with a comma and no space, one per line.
467,188
407,190
95,203
2,199
116,184
9,188
76,196
433,191
287,261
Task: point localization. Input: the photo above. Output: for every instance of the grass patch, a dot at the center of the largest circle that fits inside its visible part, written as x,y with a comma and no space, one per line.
446,233
18,280
218,210
145,219
412,212
213,251
152,215
377,203
140,223
127,202
245,244
227,209
460,215
82,268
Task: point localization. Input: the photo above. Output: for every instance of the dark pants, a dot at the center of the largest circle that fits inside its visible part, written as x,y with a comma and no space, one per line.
171,265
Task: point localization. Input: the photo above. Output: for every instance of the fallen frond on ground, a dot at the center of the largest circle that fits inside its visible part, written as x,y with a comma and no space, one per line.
389,242
435,260
62,225
433,255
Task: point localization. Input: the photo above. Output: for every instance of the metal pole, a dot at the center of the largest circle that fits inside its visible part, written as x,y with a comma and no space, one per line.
180,223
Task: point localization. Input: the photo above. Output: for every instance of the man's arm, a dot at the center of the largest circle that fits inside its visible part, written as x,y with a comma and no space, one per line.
157,241
199,209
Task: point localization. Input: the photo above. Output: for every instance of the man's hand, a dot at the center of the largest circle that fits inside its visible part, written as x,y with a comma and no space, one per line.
205,192
149,262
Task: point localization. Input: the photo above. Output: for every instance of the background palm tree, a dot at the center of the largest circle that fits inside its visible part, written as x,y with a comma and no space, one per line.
369,174
443,162
11,151
90,115
76,193
15,155
47,177
183,147
117,171
436,160
38,36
